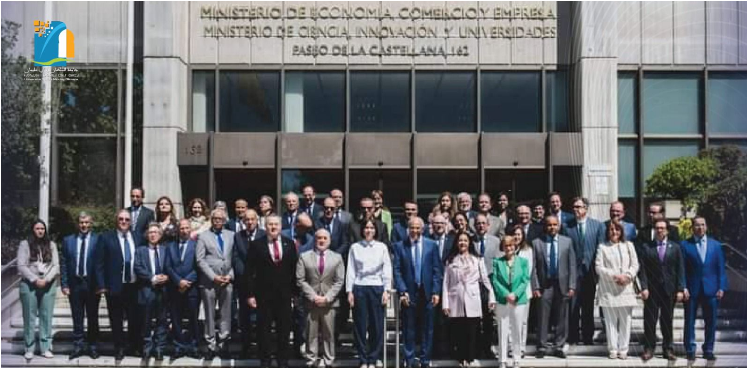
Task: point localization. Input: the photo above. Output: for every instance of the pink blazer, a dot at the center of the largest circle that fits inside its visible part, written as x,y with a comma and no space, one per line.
461,289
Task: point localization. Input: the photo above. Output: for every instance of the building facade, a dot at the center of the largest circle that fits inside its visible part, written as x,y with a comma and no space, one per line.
241,99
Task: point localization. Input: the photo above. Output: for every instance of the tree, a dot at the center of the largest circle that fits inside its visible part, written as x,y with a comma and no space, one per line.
688,179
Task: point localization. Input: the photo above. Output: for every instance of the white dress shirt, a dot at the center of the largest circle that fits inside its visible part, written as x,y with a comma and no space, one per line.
369,264
131,242
271,247
152,256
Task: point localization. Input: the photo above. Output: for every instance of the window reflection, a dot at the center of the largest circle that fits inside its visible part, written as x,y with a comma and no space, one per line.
727,103
380,101
249,101
672,103
510,101
203,101
86,173
89,103
445,101
314,102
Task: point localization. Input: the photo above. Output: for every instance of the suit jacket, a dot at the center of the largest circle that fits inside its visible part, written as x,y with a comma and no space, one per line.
505,282
354,233
669,275
239,257
564,218
704,278
346,218
267,280
211,261
644,235
146,290
315,212
586,249
448,243
567,266
461,287
630,231
497,226
303,243
399,231
69,263
179,269
535,231
492,250
404,268
231,224
145,217
339,236
289,221
327,284
110,262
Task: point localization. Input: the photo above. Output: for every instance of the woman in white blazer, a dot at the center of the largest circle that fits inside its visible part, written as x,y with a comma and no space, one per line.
463,273
617,266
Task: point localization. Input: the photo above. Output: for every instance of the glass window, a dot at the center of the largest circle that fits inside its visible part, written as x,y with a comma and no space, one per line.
323,181
203,101
88,104
727,103
626,172
380,101
567,181
740,143
671,103
249,101
510,101
521,185
87,171
314,102
657,152
396,185
627,108
231,184
431,183
556,101
445,101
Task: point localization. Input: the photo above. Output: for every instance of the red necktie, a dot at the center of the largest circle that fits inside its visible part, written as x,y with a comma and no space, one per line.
321,263
276,248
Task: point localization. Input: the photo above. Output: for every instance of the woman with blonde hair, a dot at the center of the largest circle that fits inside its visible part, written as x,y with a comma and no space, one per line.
510,278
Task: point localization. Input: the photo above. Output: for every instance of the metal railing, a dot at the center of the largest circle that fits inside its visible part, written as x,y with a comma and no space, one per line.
736,261
10,277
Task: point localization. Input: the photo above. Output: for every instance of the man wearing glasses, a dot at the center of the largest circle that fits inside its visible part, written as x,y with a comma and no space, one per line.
367,213
337,232
115,278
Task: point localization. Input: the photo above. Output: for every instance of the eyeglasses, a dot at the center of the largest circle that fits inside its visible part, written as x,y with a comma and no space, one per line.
367,208
329,208
579,206
123,219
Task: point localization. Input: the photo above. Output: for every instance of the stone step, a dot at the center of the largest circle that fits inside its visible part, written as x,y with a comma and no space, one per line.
548,362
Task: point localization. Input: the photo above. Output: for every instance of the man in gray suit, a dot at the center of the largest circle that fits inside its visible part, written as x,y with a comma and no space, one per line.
488,247
213,256
497,224
320,275
555,264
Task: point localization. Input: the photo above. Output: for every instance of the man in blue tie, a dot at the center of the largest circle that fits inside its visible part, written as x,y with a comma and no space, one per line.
291,212
115,278
417,275
152,299
706,283
184,298
213,254
79,284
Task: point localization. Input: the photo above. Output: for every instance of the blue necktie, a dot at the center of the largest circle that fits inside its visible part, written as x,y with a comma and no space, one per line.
82,257
219,236
482,247
127,259
157,262
417,263
553,259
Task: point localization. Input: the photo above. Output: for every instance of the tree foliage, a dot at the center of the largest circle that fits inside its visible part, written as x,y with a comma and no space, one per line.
689,179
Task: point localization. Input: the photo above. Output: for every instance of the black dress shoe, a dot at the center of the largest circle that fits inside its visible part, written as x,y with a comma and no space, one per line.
560,354
94,353
690,356
76,353
145,355
669,355
647,355
119,355
209,355
540,354
709,356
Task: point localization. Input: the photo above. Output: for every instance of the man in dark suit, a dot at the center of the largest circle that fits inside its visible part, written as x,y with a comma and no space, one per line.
140,215
338,233
367,212
213,255
78,276
399,229
271,283
291,211
617,212
304,241
586,234
442,343
343,216
152,280
524,219
538,213
184,298
555,207
555,282
313,209
418,274
302,233
663,283
236,224
647,233
706,283
240,261
115,278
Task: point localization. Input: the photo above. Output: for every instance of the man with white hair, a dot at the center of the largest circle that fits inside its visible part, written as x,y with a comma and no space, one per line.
464,204
291,211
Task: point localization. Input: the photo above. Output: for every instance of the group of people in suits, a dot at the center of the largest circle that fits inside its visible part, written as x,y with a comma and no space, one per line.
465,280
